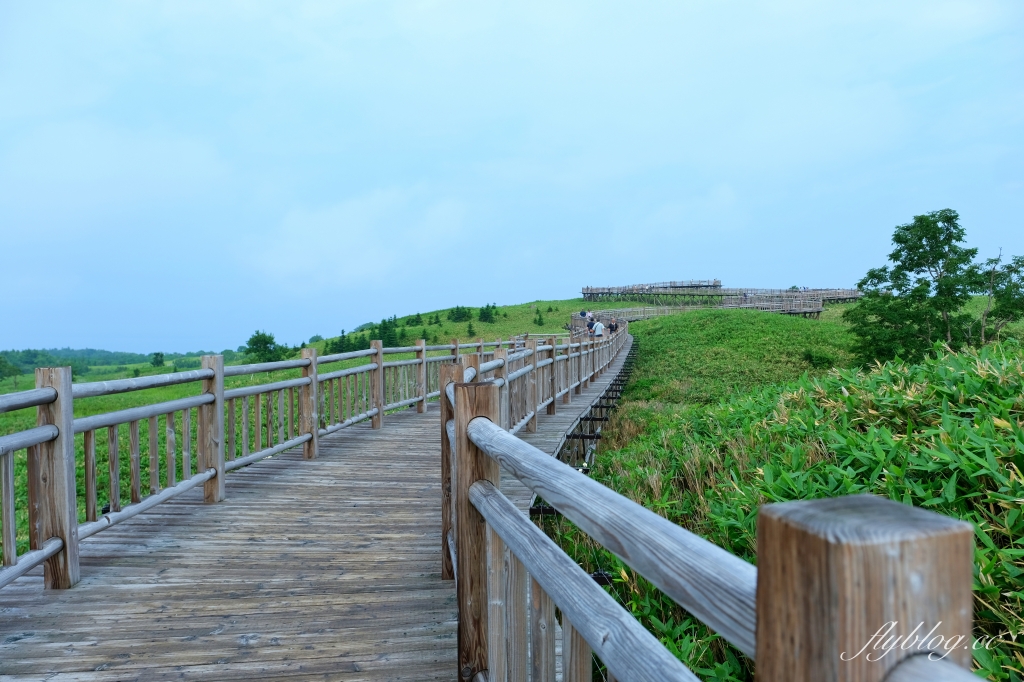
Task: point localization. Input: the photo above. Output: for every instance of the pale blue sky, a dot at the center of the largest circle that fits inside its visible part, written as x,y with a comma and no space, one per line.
175,175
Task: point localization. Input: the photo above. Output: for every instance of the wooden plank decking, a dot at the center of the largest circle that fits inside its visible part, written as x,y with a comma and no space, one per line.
326,569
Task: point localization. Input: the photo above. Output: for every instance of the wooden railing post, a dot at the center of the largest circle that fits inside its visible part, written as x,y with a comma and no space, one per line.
840,579
567,396
455,349
579,369
472,360
585,346
421,375
553,373
472,400
377,385
576,655
449,373
309,395
52,498
516,619
500,353
531,386
542,635
210,438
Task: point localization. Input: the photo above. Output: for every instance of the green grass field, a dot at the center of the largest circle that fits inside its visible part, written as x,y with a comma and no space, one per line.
734,419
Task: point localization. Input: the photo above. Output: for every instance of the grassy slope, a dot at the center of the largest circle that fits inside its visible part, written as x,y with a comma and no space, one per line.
945,436
703,356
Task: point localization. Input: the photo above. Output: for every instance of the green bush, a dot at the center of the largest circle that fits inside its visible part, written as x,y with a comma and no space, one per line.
945,435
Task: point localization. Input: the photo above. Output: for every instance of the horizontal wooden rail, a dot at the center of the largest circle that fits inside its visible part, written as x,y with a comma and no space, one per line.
351,371
98,388
349,422
709,582
22,399
519,372
491,366
402,363
267,452
403,403
400,349
233,393
628,650
27,438
29,560
238,370
112,519
350,355
133,414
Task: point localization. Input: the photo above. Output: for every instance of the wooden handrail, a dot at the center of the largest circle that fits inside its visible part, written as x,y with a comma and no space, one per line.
98,388
23,399
622,643
707,581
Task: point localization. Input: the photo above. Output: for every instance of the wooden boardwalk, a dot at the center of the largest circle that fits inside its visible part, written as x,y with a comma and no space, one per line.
325,569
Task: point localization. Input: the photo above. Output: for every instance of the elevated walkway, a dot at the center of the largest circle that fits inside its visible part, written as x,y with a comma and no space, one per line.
327,569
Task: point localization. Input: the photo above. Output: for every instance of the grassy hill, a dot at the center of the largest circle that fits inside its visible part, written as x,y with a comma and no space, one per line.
726,412
509,321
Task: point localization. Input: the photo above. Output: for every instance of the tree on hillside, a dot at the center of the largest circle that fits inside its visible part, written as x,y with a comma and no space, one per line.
157,360
916,300
1003,286
9,369
488,313
919,299
460,314
262,347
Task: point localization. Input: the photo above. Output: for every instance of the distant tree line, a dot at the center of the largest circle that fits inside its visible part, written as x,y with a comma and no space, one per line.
921,298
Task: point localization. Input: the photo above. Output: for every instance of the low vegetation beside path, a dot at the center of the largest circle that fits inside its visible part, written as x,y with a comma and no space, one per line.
741,417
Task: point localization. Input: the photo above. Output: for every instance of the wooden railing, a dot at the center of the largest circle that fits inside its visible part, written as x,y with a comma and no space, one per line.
831,573
194,441
786,305
711,289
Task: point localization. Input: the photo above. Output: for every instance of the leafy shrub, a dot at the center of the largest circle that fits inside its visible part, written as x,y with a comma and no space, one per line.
819,359
262,347
946,435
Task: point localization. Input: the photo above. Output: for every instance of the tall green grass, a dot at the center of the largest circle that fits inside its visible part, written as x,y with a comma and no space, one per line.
946,435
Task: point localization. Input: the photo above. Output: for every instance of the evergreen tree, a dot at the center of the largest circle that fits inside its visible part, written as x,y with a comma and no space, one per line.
470,331
460,314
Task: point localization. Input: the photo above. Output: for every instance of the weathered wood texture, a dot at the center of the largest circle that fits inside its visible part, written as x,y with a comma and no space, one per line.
308,570
834,573
472,465
51,472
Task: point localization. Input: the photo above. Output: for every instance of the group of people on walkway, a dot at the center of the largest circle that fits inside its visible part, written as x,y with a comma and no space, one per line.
595,328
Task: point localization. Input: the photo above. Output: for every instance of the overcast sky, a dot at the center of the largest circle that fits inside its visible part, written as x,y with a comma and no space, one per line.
176,175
